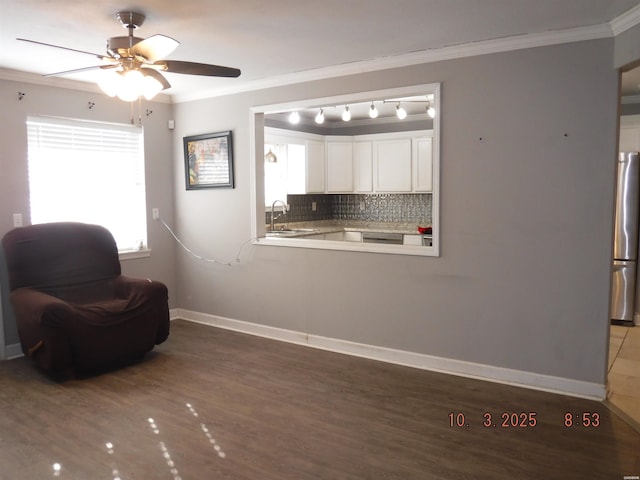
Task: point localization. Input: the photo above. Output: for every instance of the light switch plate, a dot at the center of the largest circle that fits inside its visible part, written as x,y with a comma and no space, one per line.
17,219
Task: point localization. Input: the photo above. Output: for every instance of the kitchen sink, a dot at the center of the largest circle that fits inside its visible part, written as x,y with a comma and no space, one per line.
290,232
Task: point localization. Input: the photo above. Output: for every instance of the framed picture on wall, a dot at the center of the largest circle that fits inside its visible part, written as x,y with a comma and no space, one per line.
208,161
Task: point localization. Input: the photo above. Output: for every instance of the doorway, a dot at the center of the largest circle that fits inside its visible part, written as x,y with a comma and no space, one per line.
623,374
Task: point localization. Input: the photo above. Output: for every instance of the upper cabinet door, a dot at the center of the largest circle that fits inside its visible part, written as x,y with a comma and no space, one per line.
315,166
363,166
392,165
339,167
423,164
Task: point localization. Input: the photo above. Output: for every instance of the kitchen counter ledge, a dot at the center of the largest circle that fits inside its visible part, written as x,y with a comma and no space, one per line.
330,226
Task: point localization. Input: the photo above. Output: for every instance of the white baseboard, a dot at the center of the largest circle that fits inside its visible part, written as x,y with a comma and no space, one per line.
535,381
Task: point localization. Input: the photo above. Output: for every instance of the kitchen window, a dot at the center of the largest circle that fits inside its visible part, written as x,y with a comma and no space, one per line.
88,172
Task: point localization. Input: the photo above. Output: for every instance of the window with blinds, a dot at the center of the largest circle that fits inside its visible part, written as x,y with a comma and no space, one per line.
88,172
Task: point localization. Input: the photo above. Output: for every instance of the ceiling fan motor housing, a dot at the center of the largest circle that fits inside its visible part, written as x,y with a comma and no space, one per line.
118,47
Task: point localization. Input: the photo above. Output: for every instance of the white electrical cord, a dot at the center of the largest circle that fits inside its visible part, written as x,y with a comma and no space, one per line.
199,257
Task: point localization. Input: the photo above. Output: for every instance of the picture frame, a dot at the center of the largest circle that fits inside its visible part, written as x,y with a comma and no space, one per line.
208,160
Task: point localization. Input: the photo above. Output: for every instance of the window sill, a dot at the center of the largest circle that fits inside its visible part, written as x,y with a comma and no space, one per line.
131,254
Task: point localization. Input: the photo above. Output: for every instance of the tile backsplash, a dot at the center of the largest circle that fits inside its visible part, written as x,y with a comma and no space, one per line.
384,207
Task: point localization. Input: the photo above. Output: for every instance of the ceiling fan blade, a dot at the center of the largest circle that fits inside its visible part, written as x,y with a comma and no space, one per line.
65,48
84,69
154,48
192,68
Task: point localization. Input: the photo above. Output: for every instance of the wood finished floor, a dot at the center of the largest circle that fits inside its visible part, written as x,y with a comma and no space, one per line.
624,373
215,404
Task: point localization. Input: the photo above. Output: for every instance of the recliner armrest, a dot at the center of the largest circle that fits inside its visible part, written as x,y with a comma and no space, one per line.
29,304
125,286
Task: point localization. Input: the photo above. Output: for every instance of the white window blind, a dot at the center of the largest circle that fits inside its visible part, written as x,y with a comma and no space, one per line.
88,172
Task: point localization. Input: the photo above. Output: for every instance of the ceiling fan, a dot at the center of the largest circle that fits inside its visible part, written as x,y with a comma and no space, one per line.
136,63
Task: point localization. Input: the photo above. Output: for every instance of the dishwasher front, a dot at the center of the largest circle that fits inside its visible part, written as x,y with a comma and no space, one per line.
382,237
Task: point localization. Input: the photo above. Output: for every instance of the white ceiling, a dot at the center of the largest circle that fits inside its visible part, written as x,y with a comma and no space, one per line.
279,39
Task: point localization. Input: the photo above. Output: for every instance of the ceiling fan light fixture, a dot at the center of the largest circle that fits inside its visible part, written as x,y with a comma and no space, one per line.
151,86
110,83
132,84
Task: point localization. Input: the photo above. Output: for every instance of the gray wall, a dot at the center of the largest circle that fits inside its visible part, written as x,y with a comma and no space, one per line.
526,215
14,184
527,175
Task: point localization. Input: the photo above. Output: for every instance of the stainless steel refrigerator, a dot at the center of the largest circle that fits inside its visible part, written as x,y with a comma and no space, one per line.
624,284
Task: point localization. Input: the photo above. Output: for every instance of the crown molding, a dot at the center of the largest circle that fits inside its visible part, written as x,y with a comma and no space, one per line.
625,21
499,45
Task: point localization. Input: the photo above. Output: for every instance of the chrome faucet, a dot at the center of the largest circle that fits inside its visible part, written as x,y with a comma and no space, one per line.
284,212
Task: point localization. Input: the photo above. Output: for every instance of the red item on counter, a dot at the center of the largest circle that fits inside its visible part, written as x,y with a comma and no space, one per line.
424,230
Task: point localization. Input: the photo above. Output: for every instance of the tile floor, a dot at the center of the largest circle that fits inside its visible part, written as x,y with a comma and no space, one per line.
624,373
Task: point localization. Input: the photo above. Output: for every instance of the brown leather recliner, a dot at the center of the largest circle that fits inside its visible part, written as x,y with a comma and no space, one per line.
74,309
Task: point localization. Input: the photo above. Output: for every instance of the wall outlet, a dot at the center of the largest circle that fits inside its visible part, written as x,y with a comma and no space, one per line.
155,213
314,206
17,219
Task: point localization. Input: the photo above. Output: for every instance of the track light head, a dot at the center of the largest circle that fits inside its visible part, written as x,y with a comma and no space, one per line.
346,114
294,118
373,111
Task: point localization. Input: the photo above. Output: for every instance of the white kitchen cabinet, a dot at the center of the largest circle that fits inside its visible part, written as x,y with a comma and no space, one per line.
315,167
340,166
302,156
392,165
408,239
305,172
423,164
362,166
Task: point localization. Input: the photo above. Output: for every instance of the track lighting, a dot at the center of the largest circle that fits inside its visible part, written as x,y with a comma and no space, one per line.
346,114
294,118
320,116
373,111
431,111
401,112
